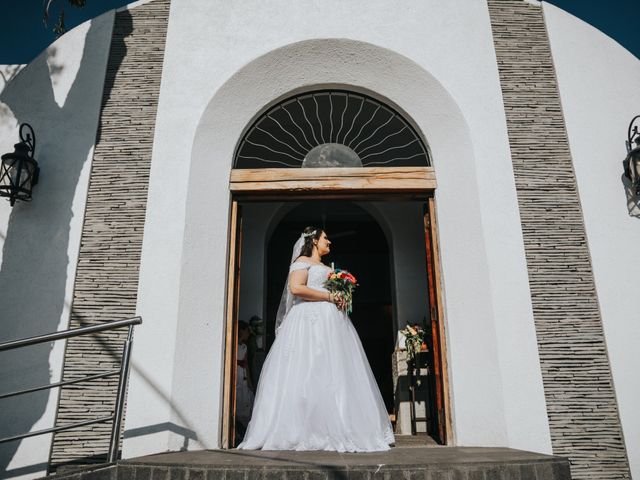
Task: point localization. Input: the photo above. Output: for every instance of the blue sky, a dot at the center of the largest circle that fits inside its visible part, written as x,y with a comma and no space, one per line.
23,35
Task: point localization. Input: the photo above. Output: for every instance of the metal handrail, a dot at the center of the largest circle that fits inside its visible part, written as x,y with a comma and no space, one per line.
72,332
58,429
60,384
123,373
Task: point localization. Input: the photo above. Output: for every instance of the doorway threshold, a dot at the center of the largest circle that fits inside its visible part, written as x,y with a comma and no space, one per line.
418,440
426,463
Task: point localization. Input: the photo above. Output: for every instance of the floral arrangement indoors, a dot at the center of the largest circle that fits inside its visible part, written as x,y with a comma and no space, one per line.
414,339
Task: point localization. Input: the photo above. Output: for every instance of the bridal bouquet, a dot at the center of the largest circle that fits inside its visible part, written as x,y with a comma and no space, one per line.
341,282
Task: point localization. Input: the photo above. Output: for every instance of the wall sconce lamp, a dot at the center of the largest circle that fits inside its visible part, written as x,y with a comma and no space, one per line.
632,162
19,171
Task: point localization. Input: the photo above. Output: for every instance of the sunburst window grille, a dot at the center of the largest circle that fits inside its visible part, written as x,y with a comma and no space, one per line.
331,129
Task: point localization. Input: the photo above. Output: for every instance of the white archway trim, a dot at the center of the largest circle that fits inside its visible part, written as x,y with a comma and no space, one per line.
197,358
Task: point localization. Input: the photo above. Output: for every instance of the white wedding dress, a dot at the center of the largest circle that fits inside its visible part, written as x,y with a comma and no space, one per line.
316,390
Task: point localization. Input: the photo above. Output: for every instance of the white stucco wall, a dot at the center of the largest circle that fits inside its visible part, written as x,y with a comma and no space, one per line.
7,73
224,62
59,94
403,224
598,82
256,219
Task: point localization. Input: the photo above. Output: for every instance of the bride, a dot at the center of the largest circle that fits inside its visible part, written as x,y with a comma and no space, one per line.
316,390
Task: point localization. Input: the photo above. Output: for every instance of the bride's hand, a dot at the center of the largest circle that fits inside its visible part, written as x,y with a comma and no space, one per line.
339,301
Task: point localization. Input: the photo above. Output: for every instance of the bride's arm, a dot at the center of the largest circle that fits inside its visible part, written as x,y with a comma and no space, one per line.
298,287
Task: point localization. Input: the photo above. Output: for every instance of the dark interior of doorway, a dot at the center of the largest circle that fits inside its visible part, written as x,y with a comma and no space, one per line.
358,245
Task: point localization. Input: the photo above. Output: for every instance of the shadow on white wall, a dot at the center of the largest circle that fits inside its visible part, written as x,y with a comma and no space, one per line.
35,253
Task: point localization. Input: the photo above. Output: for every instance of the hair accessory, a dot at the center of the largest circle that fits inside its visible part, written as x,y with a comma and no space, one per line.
310,234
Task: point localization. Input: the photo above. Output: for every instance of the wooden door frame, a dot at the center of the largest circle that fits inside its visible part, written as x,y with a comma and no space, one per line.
332,180
437,320
416,183
231,332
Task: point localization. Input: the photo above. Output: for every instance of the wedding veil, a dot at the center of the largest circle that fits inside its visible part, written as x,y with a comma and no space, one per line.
286,301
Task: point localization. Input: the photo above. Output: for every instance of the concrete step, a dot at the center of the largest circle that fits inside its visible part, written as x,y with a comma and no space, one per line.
400,463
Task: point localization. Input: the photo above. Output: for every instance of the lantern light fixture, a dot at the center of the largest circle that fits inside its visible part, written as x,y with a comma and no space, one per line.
19,171
632,162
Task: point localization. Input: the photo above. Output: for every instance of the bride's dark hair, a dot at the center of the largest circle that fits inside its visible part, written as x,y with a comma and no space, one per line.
307,248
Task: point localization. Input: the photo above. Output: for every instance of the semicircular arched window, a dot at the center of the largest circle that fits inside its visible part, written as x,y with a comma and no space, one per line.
331,128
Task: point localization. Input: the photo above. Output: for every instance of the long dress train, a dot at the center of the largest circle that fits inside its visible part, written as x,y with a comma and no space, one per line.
316,390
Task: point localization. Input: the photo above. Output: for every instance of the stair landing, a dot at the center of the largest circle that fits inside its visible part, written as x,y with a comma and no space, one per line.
400,463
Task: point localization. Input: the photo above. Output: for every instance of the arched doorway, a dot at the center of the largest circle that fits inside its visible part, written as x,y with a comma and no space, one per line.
387,160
